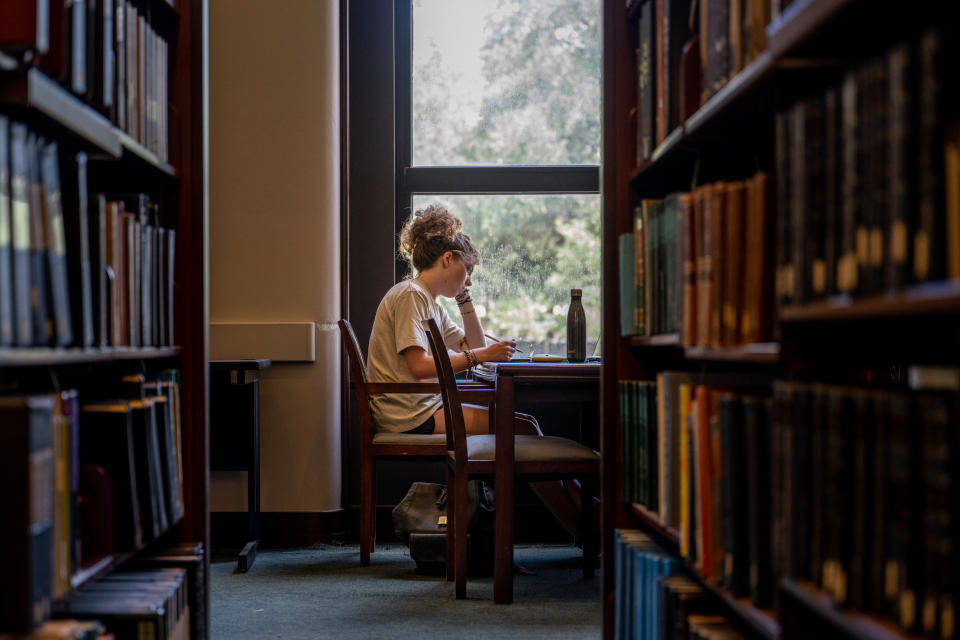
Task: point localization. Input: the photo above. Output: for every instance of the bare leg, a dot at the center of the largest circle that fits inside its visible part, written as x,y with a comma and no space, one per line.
562,497
476,420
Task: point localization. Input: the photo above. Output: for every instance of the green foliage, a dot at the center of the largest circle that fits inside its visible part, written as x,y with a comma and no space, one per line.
540,105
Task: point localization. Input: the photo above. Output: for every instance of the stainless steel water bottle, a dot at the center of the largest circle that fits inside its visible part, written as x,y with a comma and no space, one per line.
576,328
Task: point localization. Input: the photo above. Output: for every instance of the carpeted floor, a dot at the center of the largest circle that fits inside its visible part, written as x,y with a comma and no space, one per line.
323,592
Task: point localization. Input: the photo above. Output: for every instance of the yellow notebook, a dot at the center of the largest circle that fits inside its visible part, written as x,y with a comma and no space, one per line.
546,357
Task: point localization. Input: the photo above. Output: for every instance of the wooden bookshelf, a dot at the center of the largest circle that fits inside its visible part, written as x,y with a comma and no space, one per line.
118,165
650,521
934,298
799,22
98,569
853,624
837,346
106,564
47,106
137,153
757,353
740,89
48,356
761,622
659,340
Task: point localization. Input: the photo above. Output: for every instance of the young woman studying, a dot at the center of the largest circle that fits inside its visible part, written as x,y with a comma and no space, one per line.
443,258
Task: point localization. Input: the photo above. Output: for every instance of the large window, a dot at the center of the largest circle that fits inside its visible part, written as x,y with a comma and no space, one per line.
498,106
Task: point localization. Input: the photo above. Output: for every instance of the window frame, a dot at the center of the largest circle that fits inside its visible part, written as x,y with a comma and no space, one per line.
461,179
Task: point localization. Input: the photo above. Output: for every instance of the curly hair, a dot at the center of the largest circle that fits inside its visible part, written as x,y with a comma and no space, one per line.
432,231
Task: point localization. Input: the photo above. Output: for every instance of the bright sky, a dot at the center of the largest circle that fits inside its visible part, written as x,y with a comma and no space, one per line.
457,29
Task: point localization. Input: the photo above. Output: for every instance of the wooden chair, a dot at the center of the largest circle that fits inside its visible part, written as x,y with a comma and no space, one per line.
375,445
536,458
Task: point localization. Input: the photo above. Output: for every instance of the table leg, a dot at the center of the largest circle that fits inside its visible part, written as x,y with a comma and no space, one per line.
249,553
504,487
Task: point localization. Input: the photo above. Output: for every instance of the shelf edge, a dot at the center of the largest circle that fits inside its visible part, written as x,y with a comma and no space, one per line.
58,104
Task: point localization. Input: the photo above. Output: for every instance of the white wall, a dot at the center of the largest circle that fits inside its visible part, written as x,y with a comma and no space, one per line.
275,236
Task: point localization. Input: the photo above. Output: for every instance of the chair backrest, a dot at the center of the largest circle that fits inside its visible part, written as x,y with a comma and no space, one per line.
359,373
452,409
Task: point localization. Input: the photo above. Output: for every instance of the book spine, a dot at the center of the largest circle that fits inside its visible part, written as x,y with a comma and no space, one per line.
759,458
831,182
6,239
899,185
627,285
26,539
848,268
21,234
814,230
784,276
39,248
639,243
862,536
647,79
715,262
78,47
928,258
733,282
662,31
952,180
688,323
56,246
799,182
100,282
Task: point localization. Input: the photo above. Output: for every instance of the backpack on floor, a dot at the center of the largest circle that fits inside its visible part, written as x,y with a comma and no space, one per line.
419,520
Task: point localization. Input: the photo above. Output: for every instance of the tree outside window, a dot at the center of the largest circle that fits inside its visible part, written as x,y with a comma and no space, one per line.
512,83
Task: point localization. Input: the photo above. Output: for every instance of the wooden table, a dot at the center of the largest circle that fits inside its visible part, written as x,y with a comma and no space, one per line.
235,436
547,381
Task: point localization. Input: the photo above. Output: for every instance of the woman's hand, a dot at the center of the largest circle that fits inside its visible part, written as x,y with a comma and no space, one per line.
497,352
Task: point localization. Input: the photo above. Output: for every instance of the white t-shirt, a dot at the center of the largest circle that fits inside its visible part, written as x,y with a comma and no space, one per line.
398,325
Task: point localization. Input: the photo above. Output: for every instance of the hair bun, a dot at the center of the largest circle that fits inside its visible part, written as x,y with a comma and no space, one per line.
430,232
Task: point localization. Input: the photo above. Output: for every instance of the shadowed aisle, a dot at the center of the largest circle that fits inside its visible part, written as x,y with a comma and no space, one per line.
323,592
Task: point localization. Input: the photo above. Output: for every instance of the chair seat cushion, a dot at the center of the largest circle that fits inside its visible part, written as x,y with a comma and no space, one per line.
385,437
530,448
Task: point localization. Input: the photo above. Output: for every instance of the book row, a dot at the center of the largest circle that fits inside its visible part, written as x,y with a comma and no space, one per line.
851,489
686,52
102,474
163,596
655,601
64,629
107,52
865,499
868,178
700,264
77,269
654,416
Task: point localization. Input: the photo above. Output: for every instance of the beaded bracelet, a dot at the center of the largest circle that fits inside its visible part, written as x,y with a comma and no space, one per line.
471,359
